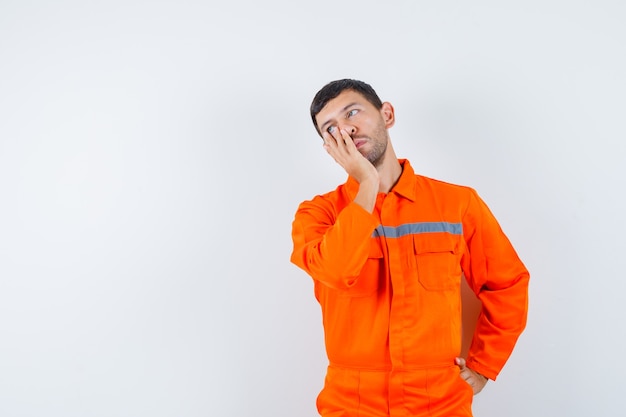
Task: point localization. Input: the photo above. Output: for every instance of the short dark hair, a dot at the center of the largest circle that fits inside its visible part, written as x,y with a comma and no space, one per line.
334,88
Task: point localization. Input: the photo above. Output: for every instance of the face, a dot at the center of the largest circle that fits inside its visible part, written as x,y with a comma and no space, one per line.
366,125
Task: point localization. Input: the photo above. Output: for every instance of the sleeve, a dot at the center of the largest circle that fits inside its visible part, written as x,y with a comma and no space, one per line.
332,251
500,280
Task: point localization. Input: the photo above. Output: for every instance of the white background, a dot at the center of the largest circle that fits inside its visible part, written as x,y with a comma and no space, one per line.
152,155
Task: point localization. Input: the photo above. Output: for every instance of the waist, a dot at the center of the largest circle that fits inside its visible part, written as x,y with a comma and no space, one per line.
391,367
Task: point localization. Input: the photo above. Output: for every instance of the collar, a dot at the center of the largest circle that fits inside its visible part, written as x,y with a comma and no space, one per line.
404,187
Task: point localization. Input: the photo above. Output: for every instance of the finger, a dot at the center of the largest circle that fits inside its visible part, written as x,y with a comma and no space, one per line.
333,148
347,140
334,133
330,145
328,139
341,140
460,362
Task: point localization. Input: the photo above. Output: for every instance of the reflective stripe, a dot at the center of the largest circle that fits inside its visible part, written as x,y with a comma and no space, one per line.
418,228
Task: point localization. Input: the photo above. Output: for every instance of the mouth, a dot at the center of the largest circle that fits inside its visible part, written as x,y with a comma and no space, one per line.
358,142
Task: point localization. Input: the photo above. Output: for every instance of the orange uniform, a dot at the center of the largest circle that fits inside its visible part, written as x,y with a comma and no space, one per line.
388,283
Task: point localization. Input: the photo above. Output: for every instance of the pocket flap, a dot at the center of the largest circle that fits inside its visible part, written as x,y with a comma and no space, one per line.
433,243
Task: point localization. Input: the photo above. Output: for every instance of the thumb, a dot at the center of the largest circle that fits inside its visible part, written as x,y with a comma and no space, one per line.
460,362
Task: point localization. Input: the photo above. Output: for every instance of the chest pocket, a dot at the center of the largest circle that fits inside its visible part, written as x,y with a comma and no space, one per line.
438,266
367,283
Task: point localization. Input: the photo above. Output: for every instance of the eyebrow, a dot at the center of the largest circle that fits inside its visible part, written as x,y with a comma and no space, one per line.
323,126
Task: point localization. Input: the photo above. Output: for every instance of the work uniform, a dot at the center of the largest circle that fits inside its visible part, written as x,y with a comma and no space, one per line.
388,283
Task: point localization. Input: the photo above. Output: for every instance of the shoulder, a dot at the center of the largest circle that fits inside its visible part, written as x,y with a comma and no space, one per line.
329,202
443,187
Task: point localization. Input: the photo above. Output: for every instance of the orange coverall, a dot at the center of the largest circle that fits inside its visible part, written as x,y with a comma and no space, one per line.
388,283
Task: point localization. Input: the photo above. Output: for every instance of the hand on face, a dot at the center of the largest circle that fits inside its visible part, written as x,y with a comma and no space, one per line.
340,146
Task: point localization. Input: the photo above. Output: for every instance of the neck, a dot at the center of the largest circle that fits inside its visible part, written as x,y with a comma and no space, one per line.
389,171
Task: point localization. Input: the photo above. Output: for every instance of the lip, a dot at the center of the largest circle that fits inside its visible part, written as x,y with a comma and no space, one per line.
359,142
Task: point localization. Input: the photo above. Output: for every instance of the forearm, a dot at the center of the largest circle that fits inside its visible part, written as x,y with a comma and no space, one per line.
332,251
502,320
368,190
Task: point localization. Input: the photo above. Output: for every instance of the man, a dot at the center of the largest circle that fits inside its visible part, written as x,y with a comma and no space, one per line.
387,251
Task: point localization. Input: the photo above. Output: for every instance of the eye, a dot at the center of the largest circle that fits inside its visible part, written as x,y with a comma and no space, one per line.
330,129
352,112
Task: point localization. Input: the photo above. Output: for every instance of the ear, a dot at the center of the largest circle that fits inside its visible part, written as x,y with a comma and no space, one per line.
388,114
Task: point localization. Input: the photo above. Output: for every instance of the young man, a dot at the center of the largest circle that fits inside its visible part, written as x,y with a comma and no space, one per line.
387,251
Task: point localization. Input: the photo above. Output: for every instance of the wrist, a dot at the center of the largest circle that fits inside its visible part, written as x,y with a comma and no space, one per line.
366,197
370,178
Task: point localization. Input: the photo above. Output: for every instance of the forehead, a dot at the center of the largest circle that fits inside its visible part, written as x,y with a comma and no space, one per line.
338,104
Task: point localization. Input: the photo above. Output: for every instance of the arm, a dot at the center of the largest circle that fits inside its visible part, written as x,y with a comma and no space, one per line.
332,250
332,247
500,280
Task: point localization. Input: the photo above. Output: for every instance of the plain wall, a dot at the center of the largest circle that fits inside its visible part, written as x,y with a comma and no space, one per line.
152,155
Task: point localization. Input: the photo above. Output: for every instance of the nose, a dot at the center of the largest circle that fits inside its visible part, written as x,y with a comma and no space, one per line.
348,128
